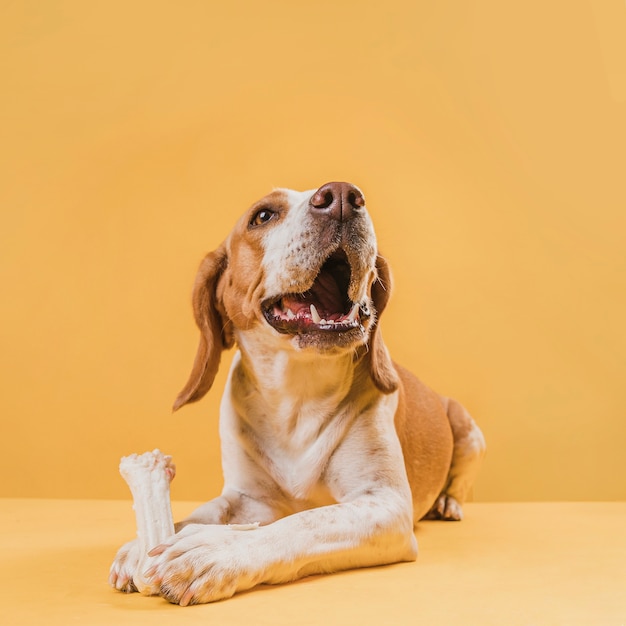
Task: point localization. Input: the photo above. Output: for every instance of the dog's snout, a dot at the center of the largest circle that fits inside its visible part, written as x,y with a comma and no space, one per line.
339,201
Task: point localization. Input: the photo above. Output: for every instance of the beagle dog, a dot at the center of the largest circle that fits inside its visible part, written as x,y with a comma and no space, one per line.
331,452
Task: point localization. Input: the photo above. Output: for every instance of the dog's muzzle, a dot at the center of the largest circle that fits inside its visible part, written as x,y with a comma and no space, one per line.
325,306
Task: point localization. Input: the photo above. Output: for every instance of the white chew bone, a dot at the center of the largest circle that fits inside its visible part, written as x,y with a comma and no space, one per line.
149,475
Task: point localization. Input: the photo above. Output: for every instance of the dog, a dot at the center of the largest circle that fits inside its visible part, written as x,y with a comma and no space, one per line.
331,452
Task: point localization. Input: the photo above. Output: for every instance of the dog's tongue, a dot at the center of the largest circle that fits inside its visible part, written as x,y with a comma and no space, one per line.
324,294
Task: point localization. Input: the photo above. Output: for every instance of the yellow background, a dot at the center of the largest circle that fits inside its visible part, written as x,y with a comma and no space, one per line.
489,138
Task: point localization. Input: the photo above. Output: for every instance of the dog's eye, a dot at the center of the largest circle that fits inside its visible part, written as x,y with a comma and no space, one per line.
262,216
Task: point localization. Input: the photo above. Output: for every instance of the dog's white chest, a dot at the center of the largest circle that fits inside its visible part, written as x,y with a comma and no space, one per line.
299,450
290,432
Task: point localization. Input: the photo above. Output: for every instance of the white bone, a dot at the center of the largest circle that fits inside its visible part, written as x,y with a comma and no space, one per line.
149,475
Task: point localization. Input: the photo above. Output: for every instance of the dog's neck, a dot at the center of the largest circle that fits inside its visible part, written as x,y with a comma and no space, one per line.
278,371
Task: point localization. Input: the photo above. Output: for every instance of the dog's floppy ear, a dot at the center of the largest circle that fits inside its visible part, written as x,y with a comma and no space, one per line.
382,370
215,333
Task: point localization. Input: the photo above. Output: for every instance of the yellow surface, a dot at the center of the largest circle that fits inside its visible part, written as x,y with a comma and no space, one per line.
489,138
532,564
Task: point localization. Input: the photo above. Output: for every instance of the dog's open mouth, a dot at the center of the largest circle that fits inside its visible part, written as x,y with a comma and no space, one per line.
324,307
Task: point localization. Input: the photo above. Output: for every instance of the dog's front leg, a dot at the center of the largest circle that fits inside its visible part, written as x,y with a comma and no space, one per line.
207,563
215,511
235,507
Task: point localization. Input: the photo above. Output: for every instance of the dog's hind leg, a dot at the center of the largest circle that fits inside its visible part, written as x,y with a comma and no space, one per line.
468,453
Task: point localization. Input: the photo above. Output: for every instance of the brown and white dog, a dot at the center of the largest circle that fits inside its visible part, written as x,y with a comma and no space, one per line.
334,449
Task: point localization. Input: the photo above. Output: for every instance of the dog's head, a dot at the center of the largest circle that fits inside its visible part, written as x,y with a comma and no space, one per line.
302,271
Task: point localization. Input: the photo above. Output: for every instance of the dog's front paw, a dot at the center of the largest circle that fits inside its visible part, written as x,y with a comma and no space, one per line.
124,567
445,508
203,563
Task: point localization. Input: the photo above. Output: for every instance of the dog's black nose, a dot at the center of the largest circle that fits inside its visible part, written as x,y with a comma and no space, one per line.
339,201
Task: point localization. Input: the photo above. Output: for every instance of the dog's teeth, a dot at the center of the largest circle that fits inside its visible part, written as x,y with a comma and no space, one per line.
354,314
290,315
315,316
